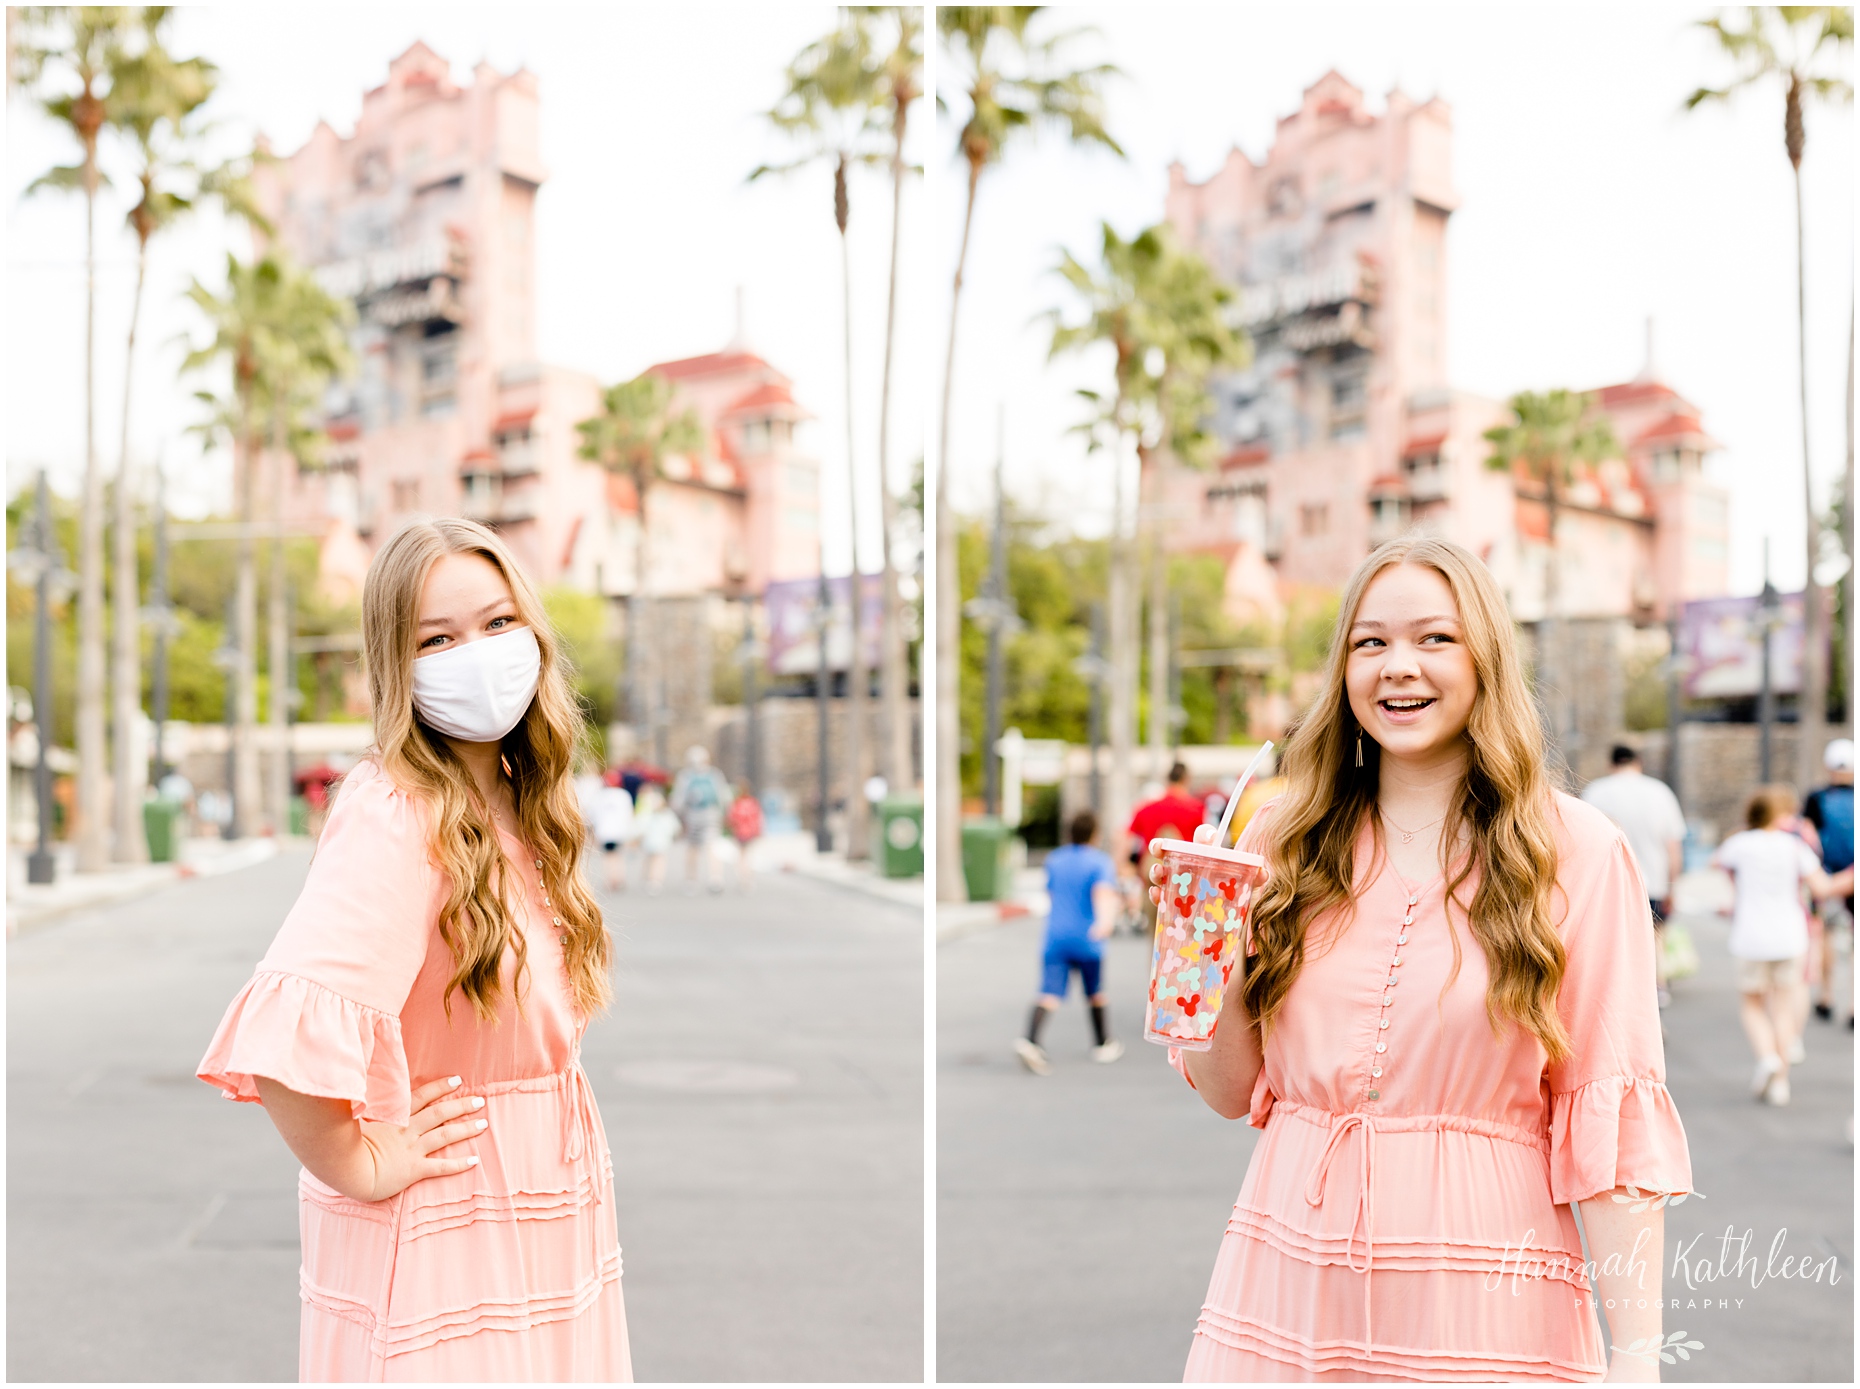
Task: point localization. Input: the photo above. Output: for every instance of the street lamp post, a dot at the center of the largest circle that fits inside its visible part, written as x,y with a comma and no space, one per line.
823,622
1766,694
227,658
160,618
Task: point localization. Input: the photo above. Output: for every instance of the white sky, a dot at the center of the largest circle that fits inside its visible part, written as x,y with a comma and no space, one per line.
650,125
1588,202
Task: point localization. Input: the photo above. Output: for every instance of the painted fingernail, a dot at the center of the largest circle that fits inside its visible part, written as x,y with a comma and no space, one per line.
477,1101
471,1162
453,1081
484,1123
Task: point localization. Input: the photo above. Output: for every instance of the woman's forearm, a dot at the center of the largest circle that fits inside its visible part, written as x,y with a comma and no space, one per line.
1224,1074
1628,1249
325,1137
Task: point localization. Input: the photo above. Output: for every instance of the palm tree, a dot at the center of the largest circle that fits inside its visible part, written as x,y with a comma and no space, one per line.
1013,85
1164,315
633,436
901,79
1758,48
83,43
834,93
278,332
1548,438
153,97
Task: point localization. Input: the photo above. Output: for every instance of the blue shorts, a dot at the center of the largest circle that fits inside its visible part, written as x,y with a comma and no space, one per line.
1056,973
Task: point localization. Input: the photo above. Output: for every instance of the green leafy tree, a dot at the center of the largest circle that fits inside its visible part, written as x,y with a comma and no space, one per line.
1548,438
58,48
634,435
901,85
1013,83
835,98
1799,47
281,337
1163,313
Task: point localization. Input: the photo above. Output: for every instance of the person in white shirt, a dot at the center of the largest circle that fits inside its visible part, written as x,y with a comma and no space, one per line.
1769,933
614,830
1648,813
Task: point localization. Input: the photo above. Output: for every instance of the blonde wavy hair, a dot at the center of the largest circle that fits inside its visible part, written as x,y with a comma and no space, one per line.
1501,814
478,923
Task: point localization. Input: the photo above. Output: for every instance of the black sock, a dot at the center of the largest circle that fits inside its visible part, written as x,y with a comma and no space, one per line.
1098,1026
1035,1023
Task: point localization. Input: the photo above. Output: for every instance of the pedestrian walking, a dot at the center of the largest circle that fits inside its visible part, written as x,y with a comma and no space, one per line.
414,1032
1170,813
1649,815
1830,809
1081,884
745,821
1769,867
614,829
1445,1027
698,797
658,831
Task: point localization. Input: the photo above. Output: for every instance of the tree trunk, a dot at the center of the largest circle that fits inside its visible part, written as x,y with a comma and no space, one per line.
1814,696
894,676
279,659
950,886
1847,532
1121,710
246,782
856,847
1161,734
93,818
131,771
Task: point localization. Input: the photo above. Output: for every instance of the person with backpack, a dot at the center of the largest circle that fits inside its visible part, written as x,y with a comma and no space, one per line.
1831,811
698,797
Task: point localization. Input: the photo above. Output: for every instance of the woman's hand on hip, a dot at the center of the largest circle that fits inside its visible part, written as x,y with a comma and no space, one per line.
367,1161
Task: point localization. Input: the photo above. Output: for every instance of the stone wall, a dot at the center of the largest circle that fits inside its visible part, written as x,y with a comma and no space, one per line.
788,744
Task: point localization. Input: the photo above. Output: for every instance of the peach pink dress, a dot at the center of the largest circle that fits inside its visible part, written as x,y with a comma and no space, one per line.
508,1271
1406,1215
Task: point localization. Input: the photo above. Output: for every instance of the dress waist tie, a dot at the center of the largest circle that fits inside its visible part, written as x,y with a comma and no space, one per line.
1340,1125
578,1122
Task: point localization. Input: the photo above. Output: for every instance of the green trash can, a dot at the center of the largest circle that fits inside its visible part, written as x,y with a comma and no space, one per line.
898,836
300,815
162,821
984,857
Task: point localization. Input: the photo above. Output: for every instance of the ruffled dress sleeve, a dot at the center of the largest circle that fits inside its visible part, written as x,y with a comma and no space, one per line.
321,1014
1612,1122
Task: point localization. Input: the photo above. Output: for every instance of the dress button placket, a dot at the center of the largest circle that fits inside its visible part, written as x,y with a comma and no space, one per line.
1388,997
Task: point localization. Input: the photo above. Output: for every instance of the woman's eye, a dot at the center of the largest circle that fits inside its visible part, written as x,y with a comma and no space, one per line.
1368,642
431,641
497,622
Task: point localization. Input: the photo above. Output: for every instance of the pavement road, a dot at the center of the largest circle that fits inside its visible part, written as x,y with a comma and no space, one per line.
768,1163
1079,1213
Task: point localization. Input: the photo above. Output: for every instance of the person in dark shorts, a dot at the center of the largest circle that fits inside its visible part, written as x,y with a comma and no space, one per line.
1831,811
1082,883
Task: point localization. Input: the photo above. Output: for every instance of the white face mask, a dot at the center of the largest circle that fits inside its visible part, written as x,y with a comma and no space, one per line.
481,690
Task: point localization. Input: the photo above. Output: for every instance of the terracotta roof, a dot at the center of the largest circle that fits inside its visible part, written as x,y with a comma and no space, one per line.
762,398
1634,392
1246,454
712,364
1677,426
1388,483
344,429
510,419
1424,443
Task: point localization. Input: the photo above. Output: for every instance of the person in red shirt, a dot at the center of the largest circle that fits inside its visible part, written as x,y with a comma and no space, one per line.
1172,815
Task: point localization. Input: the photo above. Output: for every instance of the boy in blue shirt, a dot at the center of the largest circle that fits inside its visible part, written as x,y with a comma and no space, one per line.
1082,883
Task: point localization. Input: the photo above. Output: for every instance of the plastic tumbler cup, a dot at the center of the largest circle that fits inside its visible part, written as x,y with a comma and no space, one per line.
1206,892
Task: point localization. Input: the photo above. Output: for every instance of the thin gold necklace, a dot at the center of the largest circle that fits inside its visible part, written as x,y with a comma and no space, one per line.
1407,836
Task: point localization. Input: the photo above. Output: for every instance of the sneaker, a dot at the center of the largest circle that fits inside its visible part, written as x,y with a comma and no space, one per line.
1824,1012
1777,1092
1032,1056
1767,1067
1797,1052
1109,1052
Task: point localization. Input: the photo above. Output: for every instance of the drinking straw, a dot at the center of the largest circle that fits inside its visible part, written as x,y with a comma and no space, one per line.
1227,815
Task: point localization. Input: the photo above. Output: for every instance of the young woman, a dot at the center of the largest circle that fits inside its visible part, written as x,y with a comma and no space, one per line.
1769,866
415,1030
1446,1027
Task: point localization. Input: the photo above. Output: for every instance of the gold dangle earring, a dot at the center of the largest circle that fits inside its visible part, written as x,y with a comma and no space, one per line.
1359,747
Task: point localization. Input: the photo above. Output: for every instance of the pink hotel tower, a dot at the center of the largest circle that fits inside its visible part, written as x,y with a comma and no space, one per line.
424,218
1344,430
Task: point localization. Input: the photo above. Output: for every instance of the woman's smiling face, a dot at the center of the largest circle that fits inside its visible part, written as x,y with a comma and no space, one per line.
1410,675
